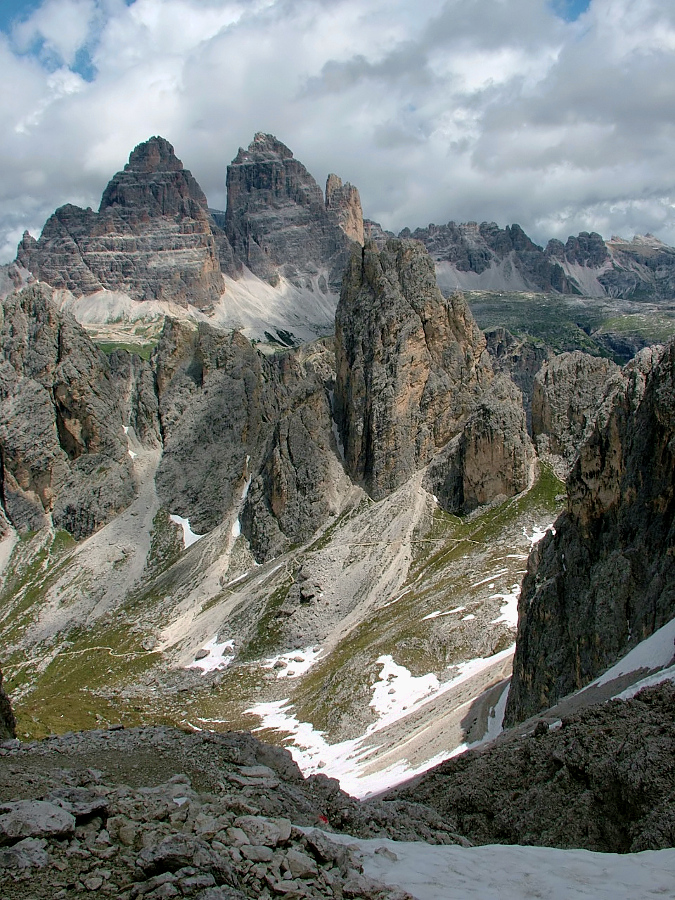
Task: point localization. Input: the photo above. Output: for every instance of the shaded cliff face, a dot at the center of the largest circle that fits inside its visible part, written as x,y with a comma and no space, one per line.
7,721
410,364
62,441
604,580
279,223
152,237
567,393
244,430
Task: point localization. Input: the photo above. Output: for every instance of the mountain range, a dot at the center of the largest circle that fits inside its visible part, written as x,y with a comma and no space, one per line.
380,497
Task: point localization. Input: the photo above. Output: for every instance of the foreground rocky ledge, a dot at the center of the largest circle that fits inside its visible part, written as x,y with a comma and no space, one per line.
156,812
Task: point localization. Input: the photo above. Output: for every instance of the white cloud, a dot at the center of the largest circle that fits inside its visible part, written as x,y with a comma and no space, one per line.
453,109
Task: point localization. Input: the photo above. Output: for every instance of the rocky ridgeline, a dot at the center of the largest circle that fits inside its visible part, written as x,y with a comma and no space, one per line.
602,581
410,364
485,256
158,813
151,238
64,450
280,224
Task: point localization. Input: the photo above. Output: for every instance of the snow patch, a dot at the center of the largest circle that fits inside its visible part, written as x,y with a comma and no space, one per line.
218,656
490,578
189,537
236,529
437,614
652,653
468,618
430,872
295,663
538,532
508,614
396,695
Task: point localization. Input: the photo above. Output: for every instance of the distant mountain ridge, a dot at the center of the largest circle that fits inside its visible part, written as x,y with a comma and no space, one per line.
154,237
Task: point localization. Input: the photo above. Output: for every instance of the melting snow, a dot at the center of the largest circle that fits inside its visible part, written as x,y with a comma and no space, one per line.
397,694
430,872
295,663
509,611
189,537
654,652
490,577
236,529
468,618
438,613
538,533
217,658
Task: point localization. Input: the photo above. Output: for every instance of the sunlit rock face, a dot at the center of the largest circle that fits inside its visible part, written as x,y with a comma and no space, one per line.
152,237
604,580
410,364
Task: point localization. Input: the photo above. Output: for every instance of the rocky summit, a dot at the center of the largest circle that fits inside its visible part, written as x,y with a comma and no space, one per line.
151,237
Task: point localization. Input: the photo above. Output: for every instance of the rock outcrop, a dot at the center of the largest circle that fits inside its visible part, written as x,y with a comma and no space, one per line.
243,429
62,442
519,358
279,223
152,237
7,721
567,393
410,364
604,580
492,457
601,781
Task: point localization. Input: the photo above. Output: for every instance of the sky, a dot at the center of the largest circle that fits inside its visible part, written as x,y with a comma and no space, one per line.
556,114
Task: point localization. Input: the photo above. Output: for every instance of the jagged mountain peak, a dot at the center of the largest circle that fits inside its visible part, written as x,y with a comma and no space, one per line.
154,155
263,146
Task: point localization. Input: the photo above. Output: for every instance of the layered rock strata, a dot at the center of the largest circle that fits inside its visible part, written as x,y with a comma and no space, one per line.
567,393
603,580
520,359
410,364
63,448
279,223
152,237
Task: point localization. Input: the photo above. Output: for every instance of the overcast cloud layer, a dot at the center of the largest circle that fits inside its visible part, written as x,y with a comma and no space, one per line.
497,110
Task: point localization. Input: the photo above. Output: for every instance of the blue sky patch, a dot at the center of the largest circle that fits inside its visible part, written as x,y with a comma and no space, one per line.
570,10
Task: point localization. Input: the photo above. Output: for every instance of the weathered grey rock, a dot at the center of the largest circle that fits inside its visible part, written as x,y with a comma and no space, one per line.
29,853
606,579
33,818
492,457
567,393
152,237
277,219
410,364
7,720
134,380
300,480
520,359
344,201
64,451
601,781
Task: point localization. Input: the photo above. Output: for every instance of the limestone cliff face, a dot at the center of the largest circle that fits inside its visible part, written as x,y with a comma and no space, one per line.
344,201
301,481
277,219
242,428
410,364
492,457
62,444
567,393
152,237
604,580
518,358
7,721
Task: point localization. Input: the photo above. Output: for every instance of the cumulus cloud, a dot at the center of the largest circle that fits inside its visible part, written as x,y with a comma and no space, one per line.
504,110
